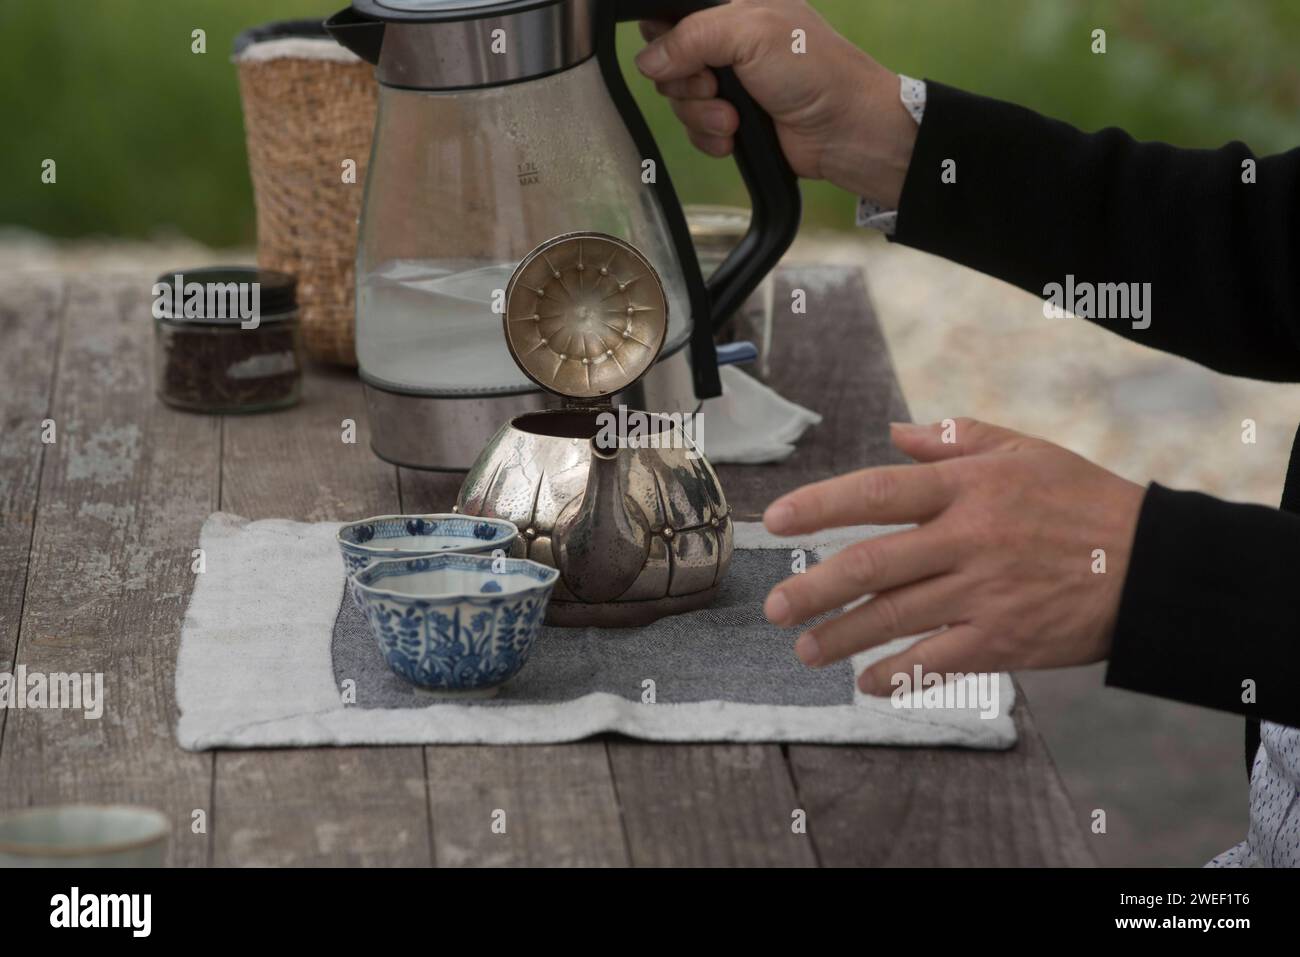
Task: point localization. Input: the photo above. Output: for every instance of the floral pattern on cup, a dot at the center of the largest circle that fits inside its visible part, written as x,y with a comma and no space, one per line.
455,622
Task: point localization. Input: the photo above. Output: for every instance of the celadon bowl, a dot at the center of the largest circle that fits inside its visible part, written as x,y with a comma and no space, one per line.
407,536
455,623
83,835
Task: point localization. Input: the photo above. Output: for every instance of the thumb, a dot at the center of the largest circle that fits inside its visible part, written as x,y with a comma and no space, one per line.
952,438
718,36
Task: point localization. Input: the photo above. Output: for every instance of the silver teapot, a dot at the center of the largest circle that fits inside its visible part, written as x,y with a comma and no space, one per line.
622,502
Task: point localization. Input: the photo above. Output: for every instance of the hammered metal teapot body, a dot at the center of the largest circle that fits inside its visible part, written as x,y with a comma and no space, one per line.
634,519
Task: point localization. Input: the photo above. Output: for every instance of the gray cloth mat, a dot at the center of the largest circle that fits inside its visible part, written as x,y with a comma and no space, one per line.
727,652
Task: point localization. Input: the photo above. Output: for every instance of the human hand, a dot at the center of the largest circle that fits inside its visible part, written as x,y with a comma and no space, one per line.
1003,555
836,110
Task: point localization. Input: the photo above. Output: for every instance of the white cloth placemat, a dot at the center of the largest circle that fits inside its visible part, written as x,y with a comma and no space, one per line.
255,669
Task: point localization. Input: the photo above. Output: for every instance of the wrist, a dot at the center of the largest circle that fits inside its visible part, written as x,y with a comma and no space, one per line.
869,154
1126,502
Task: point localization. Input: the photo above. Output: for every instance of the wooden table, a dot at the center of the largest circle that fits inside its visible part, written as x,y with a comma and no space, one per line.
96,535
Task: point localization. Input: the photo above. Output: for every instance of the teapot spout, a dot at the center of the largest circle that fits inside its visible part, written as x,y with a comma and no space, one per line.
602,539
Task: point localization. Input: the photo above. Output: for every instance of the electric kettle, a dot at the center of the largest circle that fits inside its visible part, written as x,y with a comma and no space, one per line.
499,125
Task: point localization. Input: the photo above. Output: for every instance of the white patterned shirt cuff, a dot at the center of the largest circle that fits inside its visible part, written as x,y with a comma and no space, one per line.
912,93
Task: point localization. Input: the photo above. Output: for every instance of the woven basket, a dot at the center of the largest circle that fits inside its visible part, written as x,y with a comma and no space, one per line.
309,105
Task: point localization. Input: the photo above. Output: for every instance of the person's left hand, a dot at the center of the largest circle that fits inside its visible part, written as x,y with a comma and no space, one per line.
1005,555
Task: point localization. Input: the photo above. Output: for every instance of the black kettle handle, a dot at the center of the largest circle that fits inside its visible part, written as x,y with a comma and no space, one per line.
773,188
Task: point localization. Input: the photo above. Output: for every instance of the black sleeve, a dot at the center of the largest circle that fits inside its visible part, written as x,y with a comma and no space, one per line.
1211,599
1036,200
1210,603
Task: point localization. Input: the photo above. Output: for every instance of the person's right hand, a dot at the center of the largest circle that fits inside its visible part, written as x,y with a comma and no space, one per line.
837,111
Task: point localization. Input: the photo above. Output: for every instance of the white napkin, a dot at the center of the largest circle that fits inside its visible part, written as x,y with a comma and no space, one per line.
750,423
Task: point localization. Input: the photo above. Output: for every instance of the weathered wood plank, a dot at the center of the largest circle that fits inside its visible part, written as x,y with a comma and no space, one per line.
327,805
708,805
31,314
560,802
428,491
943,807
332,807
531,806
123,493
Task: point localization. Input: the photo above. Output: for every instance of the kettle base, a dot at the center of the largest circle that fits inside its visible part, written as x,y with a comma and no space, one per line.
624,614
446,434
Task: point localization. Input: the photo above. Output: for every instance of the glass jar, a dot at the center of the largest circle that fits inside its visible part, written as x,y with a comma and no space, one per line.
715,231
226,339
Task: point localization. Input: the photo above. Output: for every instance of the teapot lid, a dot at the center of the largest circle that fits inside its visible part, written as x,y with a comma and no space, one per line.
585,315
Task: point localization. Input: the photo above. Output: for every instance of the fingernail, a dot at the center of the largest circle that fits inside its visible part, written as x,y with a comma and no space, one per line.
807,649
778,608
867,683
904,426
779,516
653,60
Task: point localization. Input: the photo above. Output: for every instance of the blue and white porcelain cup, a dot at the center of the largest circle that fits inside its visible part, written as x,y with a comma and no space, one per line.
455,623
409,536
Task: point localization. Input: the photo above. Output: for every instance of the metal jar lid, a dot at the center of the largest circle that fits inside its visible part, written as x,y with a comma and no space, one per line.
585,315
277,294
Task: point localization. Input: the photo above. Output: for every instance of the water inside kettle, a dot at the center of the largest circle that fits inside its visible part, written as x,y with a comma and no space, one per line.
427,326
430,326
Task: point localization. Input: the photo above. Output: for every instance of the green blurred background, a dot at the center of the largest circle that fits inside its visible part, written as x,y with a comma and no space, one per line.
149,141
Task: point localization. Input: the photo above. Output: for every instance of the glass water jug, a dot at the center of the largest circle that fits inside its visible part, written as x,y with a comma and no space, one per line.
500,125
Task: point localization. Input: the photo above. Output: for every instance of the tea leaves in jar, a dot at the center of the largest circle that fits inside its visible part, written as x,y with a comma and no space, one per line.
226,359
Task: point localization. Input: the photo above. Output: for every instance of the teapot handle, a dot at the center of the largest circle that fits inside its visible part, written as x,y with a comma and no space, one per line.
773,188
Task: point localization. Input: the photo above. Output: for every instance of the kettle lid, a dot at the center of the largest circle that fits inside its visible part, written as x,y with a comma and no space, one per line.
585,315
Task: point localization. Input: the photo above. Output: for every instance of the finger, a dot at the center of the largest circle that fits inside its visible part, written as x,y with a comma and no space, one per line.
864,568
718,146
654,29
718,36
961,649
887,494
710,117
952,438
700,86
892,614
